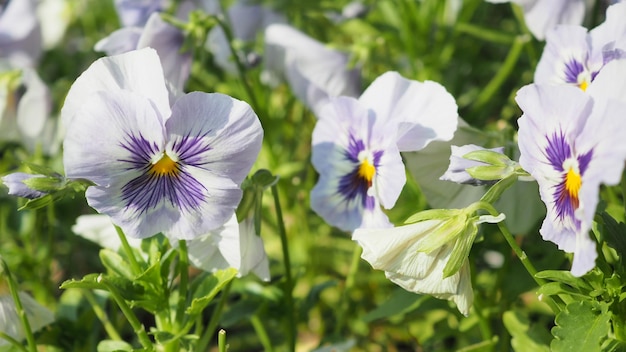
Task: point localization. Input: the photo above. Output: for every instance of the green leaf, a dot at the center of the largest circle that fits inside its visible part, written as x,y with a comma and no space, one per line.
209,288
89,282
489,157
400,302
461,250
556,288
565,277
116,264
113,346
582,326
525,338
614,235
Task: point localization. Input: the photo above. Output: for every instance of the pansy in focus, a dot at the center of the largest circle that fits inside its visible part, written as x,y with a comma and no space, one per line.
573,56
357,145
542,15
571,142
157,169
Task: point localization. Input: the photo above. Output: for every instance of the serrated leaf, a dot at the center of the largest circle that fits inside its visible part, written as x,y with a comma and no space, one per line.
116,264
89,281
582,326
209,288
113,346
524,337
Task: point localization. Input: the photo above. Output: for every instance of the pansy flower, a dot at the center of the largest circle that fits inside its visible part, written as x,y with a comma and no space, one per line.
314,72
543,15
357,145
574,56
428,256
571,142
20,33
157,169
166,39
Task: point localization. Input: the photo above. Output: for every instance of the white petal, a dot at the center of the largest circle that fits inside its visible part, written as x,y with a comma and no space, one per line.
99,229
121,41
424,111
38,316
138,71
93,147
228,126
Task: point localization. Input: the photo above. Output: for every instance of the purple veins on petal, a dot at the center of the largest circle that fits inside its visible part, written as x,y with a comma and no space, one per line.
189,149
558,150
165,180
572,70
356,183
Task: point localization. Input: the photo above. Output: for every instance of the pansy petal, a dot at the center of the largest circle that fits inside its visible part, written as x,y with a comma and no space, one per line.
215,133
424,111
10,322
542,15
217,250
121,41
137,71
564,56
99,229
168,41
99,144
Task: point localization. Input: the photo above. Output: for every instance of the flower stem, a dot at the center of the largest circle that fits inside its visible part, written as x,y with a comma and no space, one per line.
129,251
183,268
343,304
129,314
261,333
240,67
291,318
101,315
13,341
555,302
221,341
505,70
215,317
19,308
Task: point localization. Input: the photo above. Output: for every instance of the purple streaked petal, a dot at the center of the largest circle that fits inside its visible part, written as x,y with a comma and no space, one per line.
101,144
17,187
214,133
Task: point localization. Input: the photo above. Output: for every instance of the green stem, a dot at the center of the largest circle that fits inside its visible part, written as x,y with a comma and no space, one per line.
291,318
261,333
13,341
221,341
483,324
102,316
240,67
343,304
129,314
215,318
555,302
129,251
183,268
505,70
19,308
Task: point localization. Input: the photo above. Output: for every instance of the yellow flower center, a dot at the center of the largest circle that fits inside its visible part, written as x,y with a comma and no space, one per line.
573,182
164,167
583,85
367,171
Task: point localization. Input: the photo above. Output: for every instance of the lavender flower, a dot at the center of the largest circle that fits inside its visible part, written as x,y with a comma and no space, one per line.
357,145
157,169
571,142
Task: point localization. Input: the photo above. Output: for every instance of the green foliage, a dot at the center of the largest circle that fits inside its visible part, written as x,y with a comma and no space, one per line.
582,326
